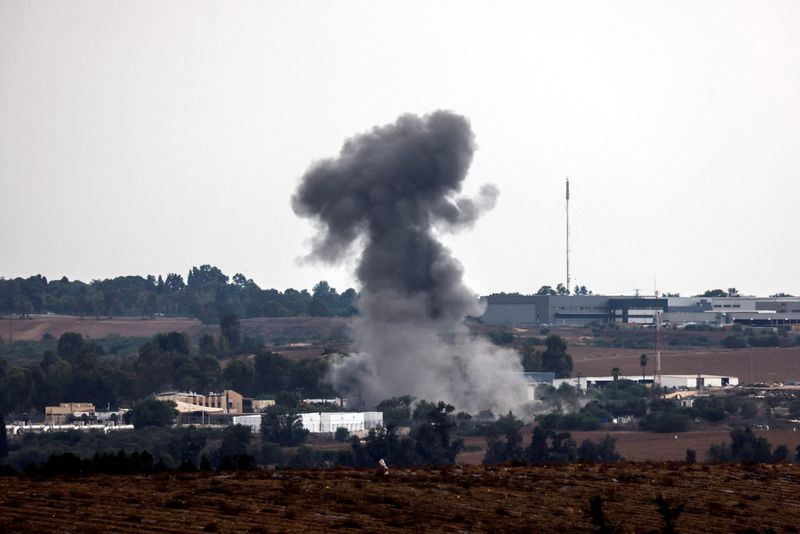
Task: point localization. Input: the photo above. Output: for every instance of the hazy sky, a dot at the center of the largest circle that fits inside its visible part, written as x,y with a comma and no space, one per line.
147,137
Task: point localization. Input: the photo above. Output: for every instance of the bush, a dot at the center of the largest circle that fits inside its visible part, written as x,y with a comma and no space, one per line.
603,451
746,447
734,342
710,408
666,422
272,453
152,412
342,434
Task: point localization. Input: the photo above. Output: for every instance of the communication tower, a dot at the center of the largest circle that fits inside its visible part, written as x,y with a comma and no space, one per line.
657,374
568,279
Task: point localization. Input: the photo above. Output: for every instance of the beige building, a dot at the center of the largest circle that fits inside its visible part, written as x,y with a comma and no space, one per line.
226,402
59,415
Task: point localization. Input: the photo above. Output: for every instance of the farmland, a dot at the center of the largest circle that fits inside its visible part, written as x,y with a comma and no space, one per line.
717,498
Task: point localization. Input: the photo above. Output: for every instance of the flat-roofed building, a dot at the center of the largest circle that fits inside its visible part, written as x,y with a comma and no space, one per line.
58,415
228,401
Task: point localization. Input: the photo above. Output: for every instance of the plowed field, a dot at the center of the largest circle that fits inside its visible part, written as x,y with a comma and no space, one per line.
717,498
750,365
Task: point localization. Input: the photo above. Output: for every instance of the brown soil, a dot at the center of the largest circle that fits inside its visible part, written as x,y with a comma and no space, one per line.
33,329
55,325
719,498
749,365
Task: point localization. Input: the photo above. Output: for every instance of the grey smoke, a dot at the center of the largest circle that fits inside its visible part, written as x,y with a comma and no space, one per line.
389,192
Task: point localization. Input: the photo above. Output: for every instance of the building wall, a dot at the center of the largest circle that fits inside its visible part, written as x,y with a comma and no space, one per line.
579,310
228,401
510,314
253,421
58,415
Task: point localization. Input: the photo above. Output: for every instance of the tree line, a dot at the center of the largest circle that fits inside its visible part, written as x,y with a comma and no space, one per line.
206,293
79,371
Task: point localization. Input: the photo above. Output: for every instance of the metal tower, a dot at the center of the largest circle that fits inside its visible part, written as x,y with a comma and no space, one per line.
657,375
568,279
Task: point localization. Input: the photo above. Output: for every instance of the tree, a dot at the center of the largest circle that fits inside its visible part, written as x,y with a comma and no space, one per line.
272,372
231,329
285,429
174,282
604,451
561,289
396,410
555,357
643,363
3,438
235,440
531,359
508,449
342,434
582,290
204,275
546,290
615,373
69,346
432,443
152,412
240,375
207,345
173,342
745,447
714,293
549,447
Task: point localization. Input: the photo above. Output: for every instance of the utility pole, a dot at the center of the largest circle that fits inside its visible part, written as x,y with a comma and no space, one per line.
568,279
657,375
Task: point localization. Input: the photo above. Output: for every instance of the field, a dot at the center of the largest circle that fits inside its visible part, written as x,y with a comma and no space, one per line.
33,329
750,365
641,446
717,498
307,337
295,337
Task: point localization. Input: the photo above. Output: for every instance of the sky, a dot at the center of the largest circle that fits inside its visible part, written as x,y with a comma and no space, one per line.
148,137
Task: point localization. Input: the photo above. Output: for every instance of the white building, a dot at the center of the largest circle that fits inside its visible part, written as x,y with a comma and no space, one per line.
667,381
691,381
324,422
253,421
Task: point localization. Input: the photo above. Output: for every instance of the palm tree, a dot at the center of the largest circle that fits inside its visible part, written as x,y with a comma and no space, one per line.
643,363
615,374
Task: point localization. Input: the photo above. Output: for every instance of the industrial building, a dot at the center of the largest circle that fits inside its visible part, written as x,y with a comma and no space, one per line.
61,414
323,422
228,401
667,381
580,310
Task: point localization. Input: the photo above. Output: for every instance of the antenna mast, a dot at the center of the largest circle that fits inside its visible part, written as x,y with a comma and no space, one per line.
657,375
568,280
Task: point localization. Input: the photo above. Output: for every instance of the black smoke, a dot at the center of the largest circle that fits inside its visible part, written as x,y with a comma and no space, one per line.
390,192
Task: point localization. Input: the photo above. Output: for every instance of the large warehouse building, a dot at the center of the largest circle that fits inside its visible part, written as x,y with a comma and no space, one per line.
580,310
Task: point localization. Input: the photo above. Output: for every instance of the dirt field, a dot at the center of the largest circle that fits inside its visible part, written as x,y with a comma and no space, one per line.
33,329
749,365
55,325
717,498
651,447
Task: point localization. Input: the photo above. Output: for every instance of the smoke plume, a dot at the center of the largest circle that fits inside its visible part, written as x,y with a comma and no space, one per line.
388,193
